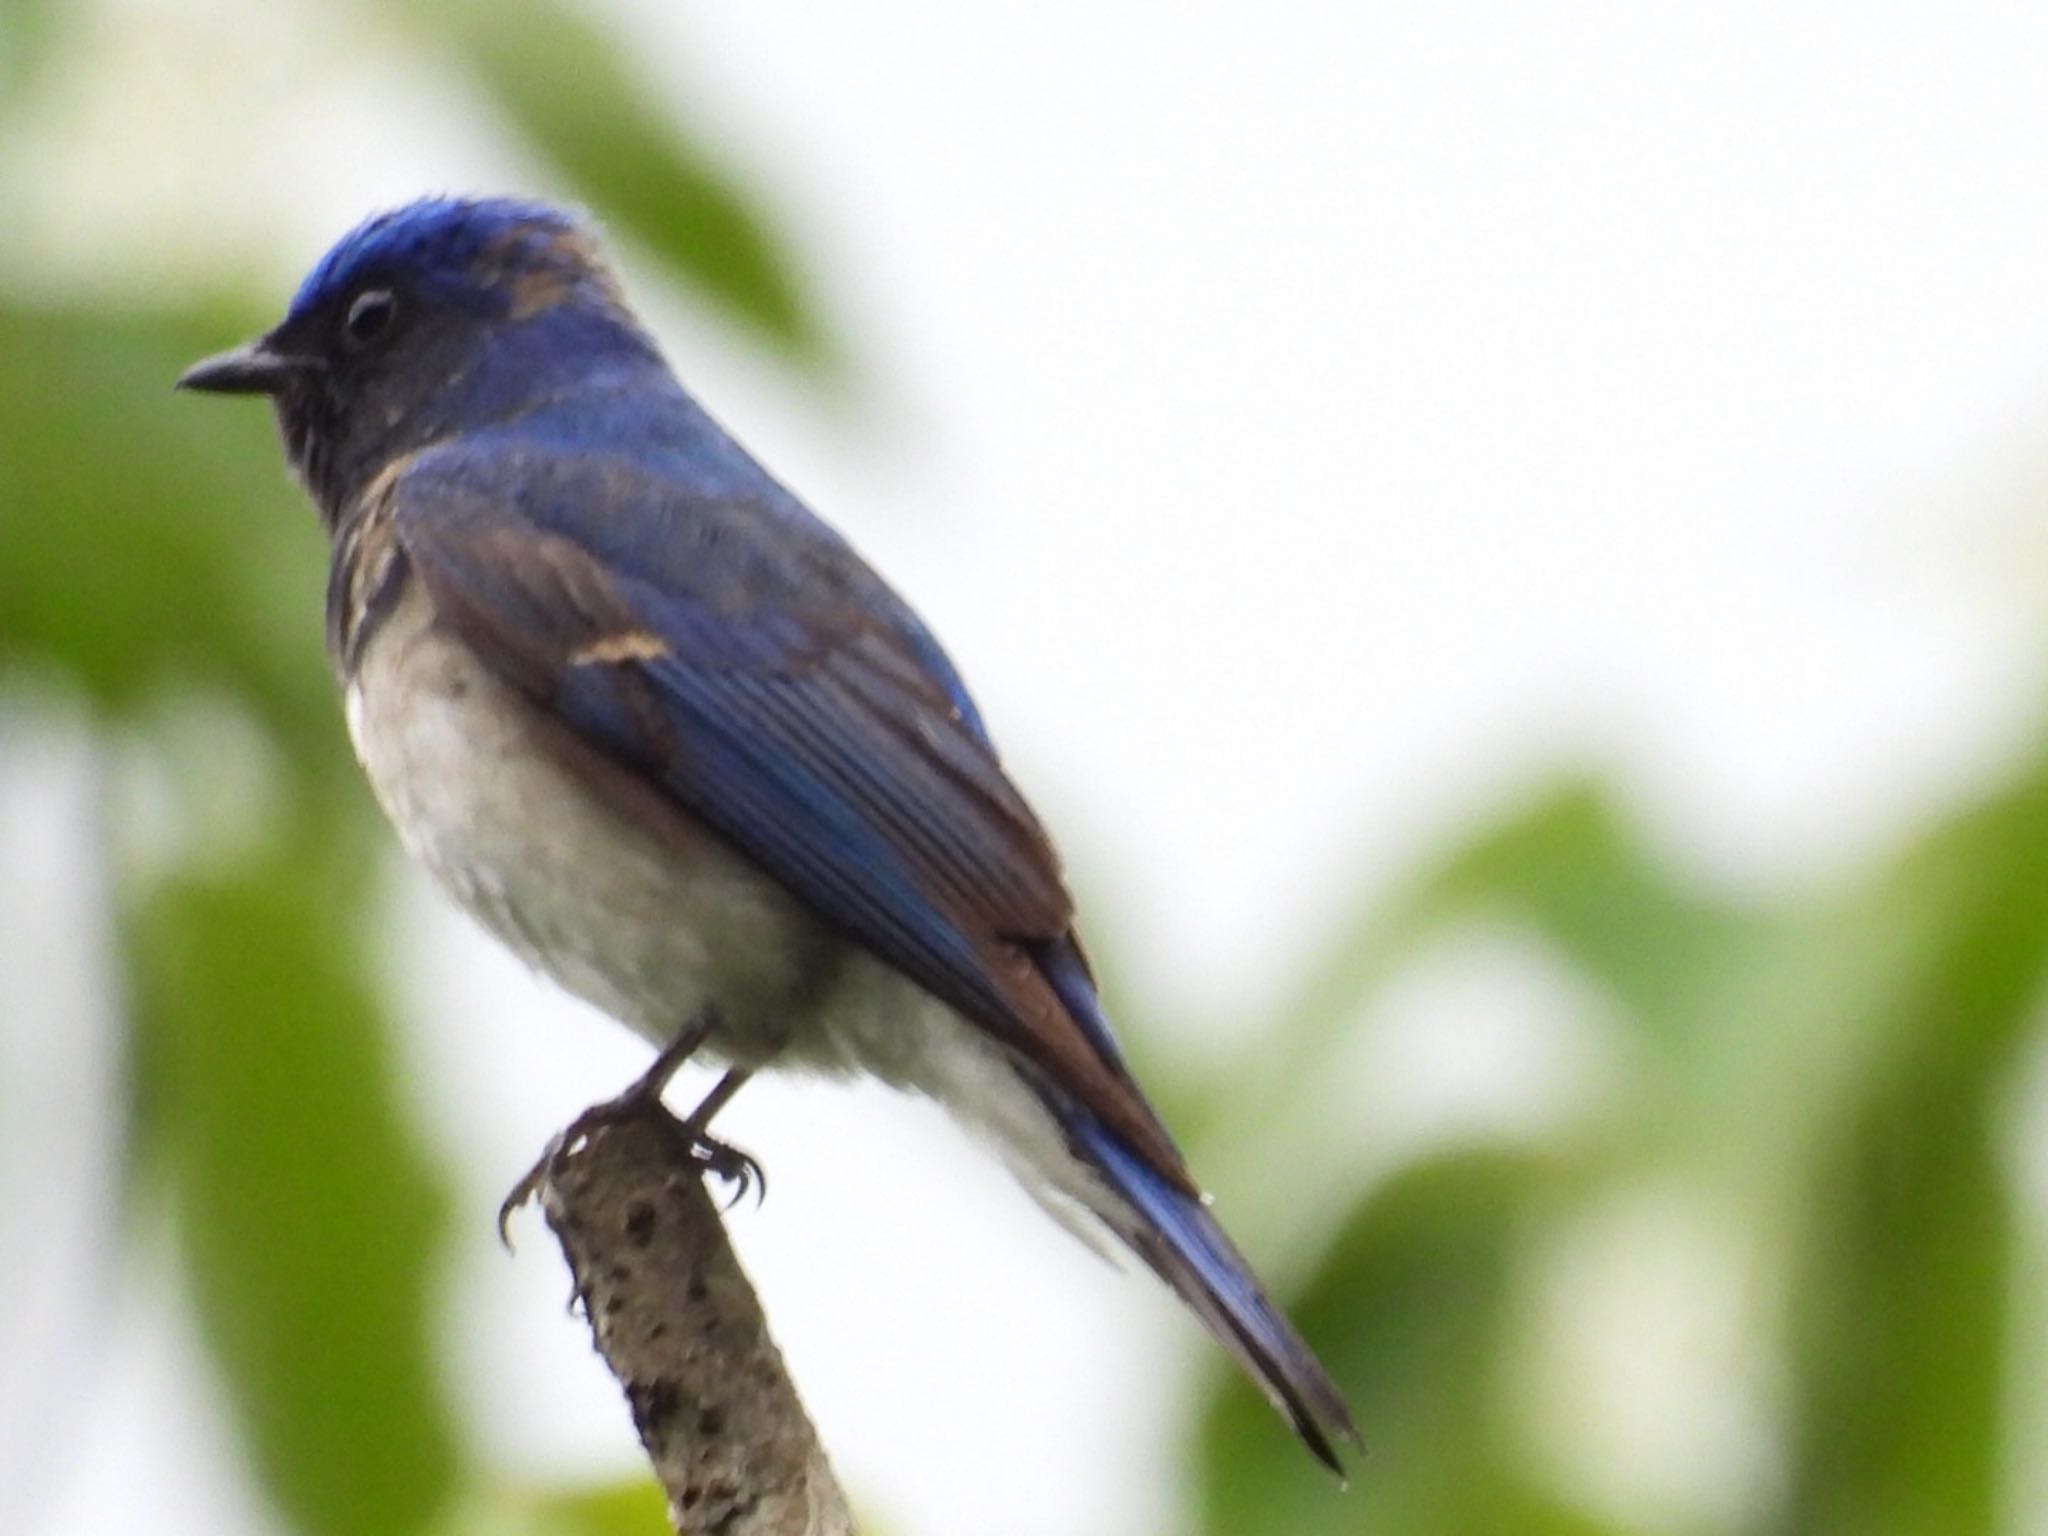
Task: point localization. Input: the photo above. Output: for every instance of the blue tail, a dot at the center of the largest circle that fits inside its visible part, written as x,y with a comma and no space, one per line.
1173,1232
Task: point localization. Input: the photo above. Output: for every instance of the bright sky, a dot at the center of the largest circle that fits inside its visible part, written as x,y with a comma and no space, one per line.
1304,430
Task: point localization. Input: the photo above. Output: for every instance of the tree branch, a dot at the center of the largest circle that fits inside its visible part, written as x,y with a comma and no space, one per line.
682,1330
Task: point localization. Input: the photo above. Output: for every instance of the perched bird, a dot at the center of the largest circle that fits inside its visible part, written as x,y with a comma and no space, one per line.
669,738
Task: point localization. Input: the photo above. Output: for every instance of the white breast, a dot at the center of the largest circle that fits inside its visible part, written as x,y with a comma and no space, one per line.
652,926
648,925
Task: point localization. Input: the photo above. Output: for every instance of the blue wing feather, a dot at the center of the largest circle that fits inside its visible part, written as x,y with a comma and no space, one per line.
786,698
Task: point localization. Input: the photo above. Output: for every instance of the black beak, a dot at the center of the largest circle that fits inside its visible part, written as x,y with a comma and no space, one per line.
247,370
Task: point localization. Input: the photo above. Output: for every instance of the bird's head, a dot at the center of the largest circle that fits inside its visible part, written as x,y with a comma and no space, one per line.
445,315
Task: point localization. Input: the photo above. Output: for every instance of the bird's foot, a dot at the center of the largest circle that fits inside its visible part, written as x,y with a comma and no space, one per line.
735,1167
643,1098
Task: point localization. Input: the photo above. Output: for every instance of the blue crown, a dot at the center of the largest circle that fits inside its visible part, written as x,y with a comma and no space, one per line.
430,237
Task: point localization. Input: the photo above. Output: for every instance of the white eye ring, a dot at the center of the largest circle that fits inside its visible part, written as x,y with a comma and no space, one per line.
370,316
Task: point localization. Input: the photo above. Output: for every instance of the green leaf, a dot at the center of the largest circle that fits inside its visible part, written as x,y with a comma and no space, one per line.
1574,865
307,1214
634,1507
28,30
568,87
1903,1321
153,538
1568,866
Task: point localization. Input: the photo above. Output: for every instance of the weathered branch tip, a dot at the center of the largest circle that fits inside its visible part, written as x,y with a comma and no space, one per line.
679,1325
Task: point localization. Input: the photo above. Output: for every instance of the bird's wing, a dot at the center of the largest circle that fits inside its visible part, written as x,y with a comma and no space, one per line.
770,687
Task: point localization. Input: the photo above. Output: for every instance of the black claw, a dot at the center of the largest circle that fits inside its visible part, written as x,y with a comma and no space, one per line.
528,1186
519,1196
739,1169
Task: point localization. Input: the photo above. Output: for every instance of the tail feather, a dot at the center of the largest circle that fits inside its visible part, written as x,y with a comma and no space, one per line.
1173,1232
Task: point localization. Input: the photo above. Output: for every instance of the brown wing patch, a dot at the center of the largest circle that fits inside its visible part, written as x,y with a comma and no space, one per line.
628,645
1044,1034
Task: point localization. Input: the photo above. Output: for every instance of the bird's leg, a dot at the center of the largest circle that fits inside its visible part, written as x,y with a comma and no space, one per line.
722,1158
645,1093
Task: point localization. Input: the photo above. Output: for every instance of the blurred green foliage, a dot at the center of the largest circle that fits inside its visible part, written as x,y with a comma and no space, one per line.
1831,1071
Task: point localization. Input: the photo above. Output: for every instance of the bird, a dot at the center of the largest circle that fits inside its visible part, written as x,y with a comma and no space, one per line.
669,738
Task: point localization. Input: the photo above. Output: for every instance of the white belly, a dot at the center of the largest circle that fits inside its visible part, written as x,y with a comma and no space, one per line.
652,926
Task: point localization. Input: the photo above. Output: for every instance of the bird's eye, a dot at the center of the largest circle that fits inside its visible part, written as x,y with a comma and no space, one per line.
370,316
